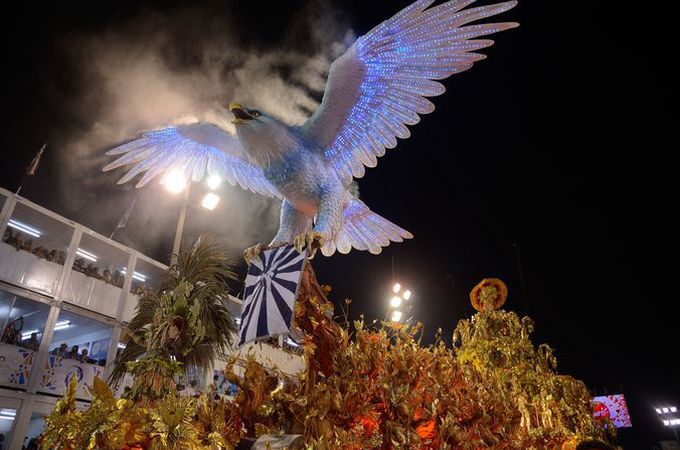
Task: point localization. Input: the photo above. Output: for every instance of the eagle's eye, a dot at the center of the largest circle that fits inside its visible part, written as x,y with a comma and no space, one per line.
255,113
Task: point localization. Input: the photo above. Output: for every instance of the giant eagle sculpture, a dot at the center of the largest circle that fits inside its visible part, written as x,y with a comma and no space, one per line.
374,90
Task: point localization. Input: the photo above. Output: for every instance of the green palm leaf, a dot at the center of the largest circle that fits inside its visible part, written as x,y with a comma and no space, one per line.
204,270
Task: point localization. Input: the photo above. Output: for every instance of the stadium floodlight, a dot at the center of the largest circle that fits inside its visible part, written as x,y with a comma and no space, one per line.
396,316
395,302
210,201
213,182
174,181
668,418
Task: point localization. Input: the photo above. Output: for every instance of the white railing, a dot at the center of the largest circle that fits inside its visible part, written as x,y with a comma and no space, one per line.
56,257
52,255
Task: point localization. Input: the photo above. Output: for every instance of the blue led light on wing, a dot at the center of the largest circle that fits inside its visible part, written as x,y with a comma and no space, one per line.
400,58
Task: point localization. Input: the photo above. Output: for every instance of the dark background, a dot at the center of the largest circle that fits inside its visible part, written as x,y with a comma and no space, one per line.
558,149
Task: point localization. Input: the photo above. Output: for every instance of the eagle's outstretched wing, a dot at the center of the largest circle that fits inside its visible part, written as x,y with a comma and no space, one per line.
380,83
195,150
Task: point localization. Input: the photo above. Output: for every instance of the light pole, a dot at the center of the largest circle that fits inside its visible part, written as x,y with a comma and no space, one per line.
175,183
669,417
180,227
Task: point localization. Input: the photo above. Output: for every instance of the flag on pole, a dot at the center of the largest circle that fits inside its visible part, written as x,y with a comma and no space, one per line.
126,216
271,288
122,223
33,166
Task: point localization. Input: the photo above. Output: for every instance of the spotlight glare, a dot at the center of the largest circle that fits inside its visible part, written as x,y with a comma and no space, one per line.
85,254
658,410
407,294
135,275
665,410
23,228
396,288
667,422
395,302
673,409
213,181
396,316
64,324
210,201
174,181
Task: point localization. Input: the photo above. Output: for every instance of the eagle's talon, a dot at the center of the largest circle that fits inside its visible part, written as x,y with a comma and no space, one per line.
315,241
312,240
252,252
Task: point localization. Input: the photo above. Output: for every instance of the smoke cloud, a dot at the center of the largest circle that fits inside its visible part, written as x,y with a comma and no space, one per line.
187,64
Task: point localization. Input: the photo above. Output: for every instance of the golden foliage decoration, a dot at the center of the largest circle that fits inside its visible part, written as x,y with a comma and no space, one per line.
364,387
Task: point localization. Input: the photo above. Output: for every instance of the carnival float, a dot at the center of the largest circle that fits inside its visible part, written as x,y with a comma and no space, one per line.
364,386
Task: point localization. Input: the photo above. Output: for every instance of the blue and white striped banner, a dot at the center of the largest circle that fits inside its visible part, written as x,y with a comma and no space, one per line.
271,287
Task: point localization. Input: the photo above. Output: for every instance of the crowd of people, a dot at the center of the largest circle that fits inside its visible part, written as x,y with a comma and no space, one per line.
115,277
12,335
64,352
16,240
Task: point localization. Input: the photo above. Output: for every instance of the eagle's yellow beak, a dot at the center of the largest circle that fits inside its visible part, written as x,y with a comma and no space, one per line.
240,113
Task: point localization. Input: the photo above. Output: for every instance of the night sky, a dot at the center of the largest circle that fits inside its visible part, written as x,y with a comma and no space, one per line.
553,155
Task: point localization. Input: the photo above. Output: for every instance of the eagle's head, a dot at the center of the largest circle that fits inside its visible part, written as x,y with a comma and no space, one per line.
264,137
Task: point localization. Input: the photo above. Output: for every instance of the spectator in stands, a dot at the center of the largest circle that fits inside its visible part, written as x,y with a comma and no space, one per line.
12,332
12,238
40,252
32,444
118,278
8,334
27,245
79,265
61,350
83,356
32,343
73,354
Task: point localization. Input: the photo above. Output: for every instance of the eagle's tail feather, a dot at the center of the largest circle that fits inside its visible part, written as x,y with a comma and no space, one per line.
363,229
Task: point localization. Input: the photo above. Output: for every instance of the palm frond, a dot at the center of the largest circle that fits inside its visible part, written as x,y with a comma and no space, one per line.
206,268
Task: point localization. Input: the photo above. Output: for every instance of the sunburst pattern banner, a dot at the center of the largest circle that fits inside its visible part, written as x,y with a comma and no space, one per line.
269,298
